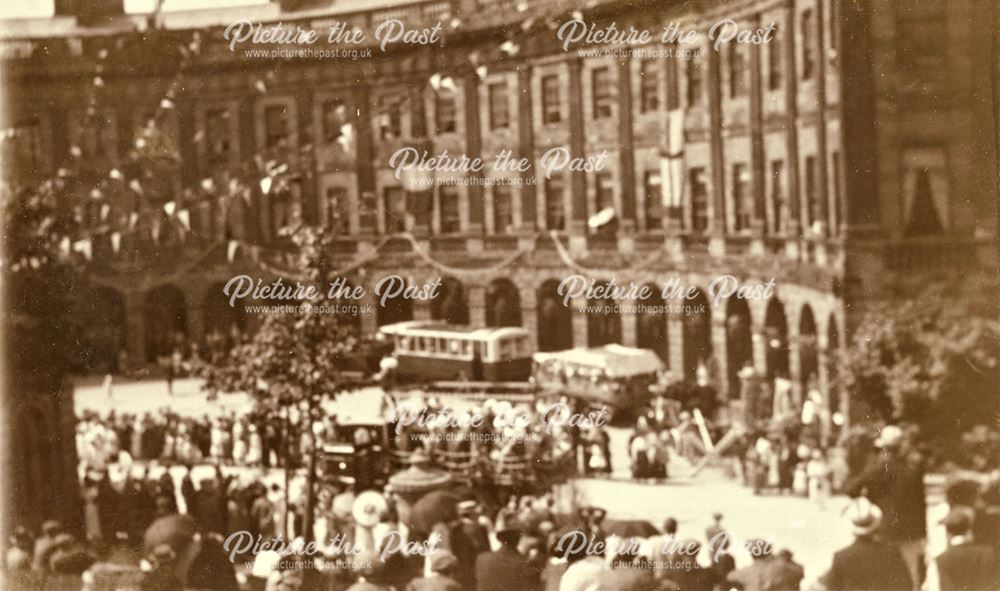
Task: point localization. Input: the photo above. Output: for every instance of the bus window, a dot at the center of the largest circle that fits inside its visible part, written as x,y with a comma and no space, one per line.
454,347
404,343
507,349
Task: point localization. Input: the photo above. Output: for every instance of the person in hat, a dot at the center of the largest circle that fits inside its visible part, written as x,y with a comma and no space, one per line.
868,564
442,566
894,480
172,542
682,570
966,564
161,575
785,574
505,568
757,576
712,531
718,542
45,545
70,557
18,557
201,562
468,539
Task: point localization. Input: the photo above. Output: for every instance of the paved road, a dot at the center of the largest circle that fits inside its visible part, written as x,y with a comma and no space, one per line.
811,532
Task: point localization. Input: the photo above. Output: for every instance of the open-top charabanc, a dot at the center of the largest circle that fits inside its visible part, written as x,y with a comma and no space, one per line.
613,375
428,350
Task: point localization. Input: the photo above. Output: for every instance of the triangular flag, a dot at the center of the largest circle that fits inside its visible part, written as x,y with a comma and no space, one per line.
64,246
135,185
265,185
170,207
154,231
105,210
185,218
133,218
116,242
116,174
231,250
208,184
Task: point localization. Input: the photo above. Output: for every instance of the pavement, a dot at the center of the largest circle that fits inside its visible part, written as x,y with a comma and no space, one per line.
811,531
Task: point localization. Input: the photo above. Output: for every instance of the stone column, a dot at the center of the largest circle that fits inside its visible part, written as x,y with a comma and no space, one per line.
421,310
719,353
629,320
795,363
529,312
823,378
579,323
369,321
477,305
675,335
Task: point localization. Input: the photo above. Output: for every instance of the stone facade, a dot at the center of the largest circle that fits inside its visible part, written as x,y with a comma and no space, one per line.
807,168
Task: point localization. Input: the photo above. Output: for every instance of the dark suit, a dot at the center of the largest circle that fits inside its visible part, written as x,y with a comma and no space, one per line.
467,540
868,565
896,485
967,567
505,569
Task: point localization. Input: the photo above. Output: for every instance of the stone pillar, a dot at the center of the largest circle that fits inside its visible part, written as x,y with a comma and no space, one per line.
759,339
369,321
477,305
579,322
795,363
719,353
675,335
823,377
630,322
421,310
135,331
529,313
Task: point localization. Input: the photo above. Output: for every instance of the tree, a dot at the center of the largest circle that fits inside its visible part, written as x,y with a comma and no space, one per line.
932,360
293,358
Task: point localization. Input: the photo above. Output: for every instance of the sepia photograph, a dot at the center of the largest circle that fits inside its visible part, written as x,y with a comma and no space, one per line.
500,295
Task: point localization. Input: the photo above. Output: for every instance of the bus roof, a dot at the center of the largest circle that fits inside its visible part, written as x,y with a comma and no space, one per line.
617,360
441,329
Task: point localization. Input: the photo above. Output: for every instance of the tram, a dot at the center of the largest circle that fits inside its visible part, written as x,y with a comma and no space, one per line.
430,350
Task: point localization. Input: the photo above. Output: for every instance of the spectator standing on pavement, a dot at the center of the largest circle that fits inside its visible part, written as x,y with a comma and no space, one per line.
868,564
967,563
894,480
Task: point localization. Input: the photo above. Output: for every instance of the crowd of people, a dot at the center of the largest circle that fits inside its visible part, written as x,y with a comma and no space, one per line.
252,439
150,523
158,536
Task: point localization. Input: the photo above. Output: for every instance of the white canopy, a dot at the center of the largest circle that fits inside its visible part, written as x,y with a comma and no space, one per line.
616,360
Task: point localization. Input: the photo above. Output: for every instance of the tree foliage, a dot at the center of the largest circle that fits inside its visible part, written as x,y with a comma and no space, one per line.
931,359
293,358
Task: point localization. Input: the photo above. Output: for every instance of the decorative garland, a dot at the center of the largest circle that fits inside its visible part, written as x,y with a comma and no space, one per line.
459,272
567,259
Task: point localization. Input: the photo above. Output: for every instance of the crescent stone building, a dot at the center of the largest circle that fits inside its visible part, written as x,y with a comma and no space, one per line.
849,155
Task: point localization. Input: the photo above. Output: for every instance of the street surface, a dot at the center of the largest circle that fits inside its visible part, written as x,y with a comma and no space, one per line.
811,532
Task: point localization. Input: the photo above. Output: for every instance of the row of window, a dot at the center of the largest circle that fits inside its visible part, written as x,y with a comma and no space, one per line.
396,211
